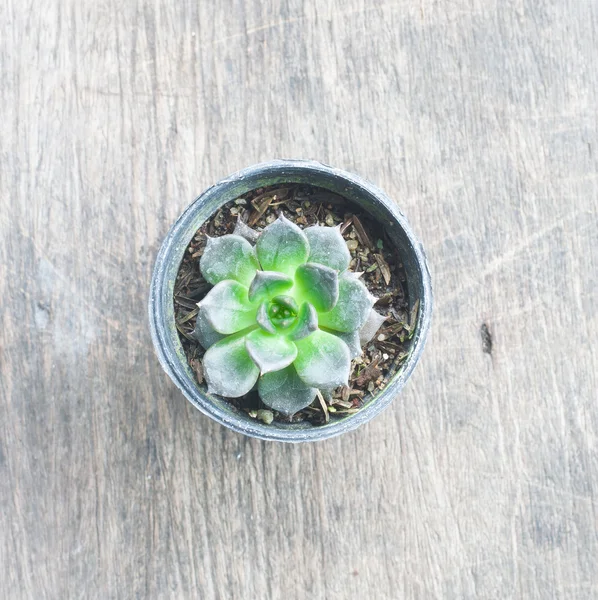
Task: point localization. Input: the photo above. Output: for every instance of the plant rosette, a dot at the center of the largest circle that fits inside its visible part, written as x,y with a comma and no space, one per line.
285,315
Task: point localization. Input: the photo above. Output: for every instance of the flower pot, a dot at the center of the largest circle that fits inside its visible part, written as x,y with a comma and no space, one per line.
161,309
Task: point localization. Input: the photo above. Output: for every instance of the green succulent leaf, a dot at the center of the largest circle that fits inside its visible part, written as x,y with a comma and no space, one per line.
306,323
228,257
282,247
228,368
270,352
353,305
263,318
204,333
227,307
284,391
370,327
350,338
318,285
327,247
286,302
267,284
323,360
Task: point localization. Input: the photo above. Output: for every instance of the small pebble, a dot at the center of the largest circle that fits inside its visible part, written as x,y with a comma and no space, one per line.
352,244
371,386
385,356
266,416
381,337
329,220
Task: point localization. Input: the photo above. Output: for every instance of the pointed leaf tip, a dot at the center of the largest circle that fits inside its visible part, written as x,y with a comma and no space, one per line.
318,284
282,247
227,307
204,333
285,392
353,306
228,257
228,368
267,284
307,322
243,230
263,319
352,340
328,247
270,352
323,360
370,327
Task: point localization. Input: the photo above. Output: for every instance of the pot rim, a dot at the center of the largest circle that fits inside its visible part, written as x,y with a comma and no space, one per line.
169,348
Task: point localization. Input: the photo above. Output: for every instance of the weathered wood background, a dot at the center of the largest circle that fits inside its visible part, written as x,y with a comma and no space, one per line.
480,118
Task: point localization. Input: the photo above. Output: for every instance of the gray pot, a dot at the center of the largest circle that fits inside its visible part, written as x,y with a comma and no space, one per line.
161,309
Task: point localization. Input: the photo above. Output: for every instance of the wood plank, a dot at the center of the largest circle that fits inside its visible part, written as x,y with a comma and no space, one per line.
479,118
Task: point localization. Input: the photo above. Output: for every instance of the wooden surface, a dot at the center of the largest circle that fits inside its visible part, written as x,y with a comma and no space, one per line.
479,118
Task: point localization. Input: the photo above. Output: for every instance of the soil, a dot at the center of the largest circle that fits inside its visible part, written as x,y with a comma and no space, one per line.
372,253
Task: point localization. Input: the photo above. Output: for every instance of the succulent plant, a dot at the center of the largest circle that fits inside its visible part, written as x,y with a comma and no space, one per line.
285,314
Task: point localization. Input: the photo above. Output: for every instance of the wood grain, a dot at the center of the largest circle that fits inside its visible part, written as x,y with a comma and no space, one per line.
479,118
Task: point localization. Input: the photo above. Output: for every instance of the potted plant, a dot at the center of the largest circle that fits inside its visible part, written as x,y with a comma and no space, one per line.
276,342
